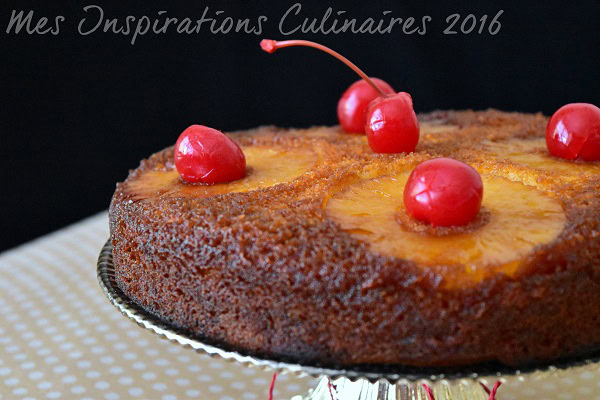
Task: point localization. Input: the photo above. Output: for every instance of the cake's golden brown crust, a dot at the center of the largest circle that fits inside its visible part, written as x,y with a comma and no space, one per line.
268,272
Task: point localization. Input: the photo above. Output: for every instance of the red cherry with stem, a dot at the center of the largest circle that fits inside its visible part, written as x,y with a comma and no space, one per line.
395,129
443,192
352,107
206,155
573,132
392,125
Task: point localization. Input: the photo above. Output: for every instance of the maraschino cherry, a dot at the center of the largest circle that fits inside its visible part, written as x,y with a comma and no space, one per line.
390,121
443,192
573,132
206,155
392,125
352,107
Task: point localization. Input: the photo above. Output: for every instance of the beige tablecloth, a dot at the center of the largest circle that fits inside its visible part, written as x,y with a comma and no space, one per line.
60,338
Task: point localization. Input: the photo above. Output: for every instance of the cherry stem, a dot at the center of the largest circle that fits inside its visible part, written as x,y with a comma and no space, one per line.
494,389
329,385
491,393
270,46
428,391
272,386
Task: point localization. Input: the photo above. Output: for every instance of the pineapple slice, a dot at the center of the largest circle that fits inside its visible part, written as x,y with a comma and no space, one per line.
533,153
519,218
266,166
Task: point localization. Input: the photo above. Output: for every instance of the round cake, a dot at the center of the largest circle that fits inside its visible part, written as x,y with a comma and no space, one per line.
312,257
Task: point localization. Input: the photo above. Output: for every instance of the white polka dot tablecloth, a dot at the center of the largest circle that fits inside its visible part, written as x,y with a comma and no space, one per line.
60,338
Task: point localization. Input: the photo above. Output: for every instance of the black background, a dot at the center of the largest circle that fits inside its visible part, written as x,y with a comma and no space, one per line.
77,112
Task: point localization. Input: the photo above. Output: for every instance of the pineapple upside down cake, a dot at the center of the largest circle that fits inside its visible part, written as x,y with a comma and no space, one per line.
313,257
448,239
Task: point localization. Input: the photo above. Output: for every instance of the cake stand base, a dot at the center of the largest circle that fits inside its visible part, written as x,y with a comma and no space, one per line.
362,389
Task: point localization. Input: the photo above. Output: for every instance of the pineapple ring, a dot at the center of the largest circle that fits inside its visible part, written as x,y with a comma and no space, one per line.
164,181
534,153
521,218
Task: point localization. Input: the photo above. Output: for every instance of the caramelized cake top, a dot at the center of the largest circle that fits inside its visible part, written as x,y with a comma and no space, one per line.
529,196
